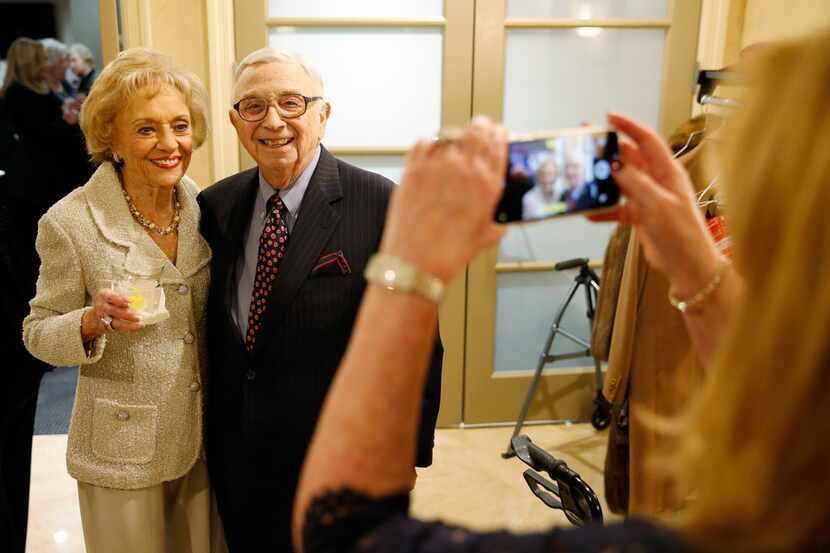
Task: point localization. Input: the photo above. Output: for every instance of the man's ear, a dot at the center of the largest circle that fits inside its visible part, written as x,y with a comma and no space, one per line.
325,113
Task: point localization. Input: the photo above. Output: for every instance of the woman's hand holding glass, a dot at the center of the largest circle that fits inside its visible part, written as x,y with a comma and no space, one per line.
108,303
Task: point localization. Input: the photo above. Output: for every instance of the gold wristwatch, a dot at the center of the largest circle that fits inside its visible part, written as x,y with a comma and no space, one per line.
393,273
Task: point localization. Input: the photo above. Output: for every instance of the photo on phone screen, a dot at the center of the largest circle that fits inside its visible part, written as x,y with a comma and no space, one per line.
559,173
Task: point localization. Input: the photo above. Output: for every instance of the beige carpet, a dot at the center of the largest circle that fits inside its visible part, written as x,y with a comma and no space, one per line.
469,483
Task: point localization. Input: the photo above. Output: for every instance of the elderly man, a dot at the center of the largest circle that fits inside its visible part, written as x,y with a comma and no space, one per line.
290,241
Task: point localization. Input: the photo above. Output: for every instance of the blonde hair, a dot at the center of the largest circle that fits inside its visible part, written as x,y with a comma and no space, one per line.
275,55
756,445
134,70
84,53
26,59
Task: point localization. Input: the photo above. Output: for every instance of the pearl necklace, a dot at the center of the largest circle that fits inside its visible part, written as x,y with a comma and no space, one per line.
148,224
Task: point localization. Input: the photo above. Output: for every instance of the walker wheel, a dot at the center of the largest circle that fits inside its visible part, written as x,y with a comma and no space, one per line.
601,417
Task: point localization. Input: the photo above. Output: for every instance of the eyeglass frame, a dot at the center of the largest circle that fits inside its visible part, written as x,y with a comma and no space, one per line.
306,99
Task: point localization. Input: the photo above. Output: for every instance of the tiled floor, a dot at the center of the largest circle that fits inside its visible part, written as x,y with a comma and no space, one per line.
469,483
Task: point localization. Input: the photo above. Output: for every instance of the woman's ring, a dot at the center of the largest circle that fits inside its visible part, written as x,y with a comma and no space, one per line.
107,322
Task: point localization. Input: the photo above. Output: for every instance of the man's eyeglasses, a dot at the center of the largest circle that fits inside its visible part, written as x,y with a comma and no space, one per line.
289,106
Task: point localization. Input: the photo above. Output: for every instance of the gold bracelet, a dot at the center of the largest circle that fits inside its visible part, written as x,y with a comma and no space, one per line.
684,305
393,273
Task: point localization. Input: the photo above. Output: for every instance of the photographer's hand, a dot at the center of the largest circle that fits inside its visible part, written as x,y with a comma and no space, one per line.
442,214
661,206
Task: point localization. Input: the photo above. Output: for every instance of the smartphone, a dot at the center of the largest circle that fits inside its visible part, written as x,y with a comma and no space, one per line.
558,173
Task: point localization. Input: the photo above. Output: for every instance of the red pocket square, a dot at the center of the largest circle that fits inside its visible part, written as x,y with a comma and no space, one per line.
334,260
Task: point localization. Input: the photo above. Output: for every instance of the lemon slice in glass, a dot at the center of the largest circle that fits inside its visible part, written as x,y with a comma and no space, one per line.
136,302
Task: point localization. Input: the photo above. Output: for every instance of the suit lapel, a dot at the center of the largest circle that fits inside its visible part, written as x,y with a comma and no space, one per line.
193,251
109,210
141,255
235,226
318,218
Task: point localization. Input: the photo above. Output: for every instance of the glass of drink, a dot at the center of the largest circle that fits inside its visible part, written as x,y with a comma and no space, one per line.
141,287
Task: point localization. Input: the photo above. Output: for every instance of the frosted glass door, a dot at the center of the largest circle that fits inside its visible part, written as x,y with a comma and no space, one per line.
384,85
558,78
545,65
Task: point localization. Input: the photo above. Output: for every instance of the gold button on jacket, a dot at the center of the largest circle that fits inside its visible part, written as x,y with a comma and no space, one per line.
137,421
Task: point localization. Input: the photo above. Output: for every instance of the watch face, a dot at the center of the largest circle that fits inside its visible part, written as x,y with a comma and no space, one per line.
389,276
396,274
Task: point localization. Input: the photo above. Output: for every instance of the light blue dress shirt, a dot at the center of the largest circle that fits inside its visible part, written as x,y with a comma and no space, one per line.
292,196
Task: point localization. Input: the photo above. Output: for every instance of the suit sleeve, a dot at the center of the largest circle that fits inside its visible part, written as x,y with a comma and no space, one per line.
52,331
205,216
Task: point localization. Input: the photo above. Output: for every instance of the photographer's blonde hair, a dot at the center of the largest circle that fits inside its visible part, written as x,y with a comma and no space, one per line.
755,453
134,70
26,59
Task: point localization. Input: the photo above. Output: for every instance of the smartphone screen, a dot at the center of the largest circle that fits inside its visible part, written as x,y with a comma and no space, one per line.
559,173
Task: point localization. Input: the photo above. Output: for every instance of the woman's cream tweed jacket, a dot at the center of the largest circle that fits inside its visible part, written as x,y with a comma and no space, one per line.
137,418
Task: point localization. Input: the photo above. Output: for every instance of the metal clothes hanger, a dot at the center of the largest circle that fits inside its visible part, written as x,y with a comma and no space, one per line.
714,200
693,134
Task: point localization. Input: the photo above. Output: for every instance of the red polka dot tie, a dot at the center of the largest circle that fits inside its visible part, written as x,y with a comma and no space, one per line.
272,244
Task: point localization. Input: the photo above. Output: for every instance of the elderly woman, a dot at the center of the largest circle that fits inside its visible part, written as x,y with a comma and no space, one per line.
82,64
135,438
58,61
752,456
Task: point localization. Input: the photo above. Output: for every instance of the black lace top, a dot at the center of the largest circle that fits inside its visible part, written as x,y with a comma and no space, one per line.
347,521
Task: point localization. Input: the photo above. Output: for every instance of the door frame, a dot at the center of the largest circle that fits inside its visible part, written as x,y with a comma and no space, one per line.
564,393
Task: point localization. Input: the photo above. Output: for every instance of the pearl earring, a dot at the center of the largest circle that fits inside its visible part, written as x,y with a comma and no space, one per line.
116,159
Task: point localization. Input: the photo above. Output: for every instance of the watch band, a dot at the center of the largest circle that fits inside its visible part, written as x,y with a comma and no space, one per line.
393,273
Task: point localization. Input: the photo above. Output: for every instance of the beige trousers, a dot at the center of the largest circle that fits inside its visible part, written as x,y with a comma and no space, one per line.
172,517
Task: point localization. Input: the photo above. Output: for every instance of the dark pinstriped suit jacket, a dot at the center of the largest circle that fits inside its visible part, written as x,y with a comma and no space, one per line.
263,406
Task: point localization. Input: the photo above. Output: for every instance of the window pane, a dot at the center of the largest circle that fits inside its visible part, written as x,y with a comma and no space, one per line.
384,85
526,304
364,8
555,240
582,77
390,167
587,9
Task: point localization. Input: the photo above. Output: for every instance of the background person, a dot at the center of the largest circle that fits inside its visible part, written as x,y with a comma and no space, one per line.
135,437
50,157
82,64
290,240
58,61
579,192
536,203
35,178
732,459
